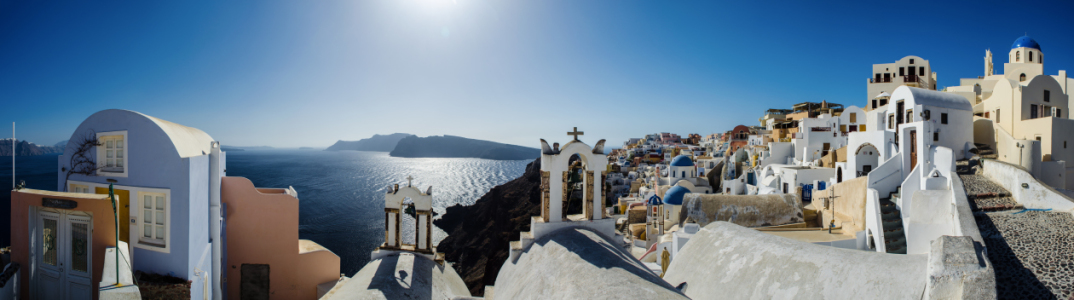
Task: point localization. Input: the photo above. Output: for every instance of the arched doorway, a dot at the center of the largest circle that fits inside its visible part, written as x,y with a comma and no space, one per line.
866,158
839,175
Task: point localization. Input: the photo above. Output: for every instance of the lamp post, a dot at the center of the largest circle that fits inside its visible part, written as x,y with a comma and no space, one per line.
112,196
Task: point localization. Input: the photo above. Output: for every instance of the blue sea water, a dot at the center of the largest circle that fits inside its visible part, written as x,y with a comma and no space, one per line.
341,193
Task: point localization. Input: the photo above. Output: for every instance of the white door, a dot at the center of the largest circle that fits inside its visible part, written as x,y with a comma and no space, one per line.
63,262
78,254
49,270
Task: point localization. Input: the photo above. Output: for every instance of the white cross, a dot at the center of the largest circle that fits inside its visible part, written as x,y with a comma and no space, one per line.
409,180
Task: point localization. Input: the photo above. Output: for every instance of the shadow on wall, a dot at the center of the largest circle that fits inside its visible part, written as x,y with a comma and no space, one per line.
415,281
601,255
983,132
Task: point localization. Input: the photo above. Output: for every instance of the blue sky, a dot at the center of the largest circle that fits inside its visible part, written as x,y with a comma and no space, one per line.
308,73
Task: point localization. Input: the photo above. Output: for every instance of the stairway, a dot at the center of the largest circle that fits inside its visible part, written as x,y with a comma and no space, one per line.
985,151
894,236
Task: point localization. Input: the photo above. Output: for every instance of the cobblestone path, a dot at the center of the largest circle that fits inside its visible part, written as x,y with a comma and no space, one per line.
1029,250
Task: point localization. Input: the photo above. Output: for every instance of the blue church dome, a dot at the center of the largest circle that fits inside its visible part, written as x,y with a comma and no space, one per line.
674,195
682,161
1025,41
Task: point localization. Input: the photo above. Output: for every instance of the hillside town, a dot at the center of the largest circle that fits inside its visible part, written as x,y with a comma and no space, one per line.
913,192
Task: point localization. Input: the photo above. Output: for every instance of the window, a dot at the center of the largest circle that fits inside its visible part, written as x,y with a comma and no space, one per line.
853,118
891,121
887,77
1022,77
913,70
853,128
877,77
861,127
921,70
997,116
943,118
79,188
986,115
1033,111
902,71
911,61
1058,112
112,154
153,220
883,102
1017,56
842,128
1047,96
935,136
1046,111
1040,58
1030,55
874,103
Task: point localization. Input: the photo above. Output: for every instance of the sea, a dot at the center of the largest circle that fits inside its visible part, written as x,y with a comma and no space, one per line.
341,193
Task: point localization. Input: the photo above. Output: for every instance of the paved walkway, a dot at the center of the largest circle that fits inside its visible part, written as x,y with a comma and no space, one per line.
1029,250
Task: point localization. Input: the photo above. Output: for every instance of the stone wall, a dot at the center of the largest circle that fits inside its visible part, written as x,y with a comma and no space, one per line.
744,210
844,202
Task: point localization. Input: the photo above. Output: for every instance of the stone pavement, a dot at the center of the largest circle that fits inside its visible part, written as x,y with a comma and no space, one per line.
1030,250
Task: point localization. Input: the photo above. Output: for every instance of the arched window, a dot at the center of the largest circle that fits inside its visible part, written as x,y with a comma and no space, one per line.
1029,55
1017,56
1022,77
683,174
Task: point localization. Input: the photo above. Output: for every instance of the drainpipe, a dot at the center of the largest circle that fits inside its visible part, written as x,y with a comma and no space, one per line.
215,170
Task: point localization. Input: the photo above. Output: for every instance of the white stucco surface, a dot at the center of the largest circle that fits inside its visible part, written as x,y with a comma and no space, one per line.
728,261
401,276
576,263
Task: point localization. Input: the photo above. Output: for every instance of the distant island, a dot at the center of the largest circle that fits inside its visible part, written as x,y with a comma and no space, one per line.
24,148
227,148
382,143
454,146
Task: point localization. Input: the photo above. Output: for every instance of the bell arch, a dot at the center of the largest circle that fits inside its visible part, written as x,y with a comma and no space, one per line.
394,207
555,170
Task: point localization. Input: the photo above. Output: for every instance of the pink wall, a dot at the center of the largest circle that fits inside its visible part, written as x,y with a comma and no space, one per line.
104,230
263,229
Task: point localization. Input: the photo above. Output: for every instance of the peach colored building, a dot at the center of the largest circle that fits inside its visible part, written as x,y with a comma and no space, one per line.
69,232
264,253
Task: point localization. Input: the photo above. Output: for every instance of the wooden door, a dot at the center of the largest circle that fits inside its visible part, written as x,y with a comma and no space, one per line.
123,197
49,278
913,149
78,242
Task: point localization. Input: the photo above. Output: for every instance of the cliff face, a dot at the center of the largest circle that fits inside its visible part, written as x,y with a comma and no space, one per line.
382,143
453,146
24,148
478,235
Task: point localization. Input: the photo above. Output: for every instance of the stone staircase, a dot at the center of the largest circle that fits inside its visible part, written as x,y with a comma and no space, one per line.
524,241
894,236
985,151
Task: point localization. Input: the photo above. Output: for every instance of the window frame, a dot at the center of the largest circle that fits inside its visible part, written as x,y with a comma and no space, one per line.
140,236
101,137
78,188
135,212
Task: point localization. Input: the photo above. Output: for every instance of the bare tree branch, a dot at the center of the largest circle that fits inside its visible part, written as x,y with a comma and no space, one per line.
82,160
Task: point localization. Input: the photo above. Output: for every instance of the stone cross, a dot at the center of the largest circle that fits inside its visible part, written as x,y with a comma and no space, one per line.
576,133
409,180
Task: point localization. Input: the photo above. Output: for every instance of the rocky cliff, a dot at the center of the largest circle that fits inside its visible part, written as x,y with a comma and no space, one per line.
454,146
382,143
24,148
478,235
